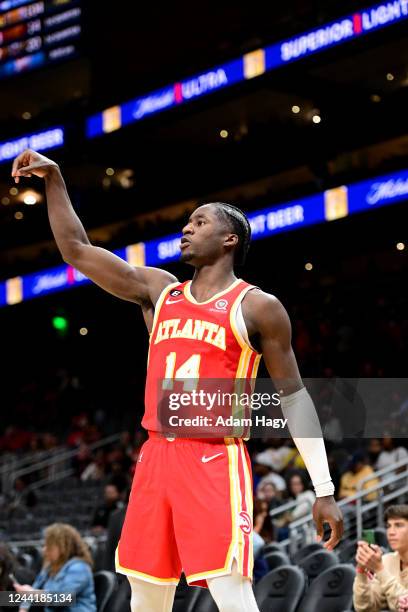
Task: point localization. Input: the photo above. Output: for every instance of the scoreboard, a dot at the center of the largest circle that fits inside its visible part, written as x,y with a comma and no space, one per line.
38,33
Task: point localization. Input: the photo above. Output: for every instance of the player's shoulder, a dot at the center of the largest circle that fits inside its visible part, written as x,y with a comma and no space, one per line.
263,308
157,280
258,298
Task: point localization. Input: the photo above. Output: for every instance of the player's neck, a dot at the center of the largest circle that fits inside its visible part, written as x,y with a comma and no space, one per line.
209,280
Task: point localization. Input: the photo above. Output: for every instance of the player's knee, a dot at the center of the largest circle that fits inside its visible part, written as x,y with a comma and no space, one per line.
139,600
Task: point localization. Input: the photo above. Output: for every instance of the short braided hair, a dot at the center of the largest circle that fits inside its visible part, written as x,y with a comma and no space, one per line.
239,224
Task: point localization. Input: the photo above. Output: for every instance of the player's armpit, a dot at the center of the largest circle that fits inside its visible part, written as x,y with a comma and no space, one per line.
269,320
142,285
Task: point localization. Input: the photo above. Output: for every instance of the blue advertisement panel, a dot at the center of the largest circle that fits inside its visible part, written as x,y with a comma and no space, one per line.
3,301
296,214
40,141
380,191
276,55
162,250
333,204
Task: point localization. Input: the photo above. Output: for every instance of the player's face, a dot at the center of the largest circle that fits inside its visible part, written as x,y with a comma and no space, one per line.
204,237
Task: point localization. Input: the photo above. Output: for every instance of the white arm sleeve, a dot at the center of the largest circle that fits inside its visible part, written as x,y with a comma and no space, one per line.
305,429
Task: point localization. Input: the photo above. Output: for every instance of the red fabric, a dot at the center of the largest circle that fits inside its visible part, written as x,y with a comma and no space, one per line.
181,514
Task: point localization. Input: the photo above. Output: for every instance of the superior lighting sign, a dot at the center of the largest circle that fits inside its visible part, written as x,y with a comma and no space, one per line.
248,66
319,208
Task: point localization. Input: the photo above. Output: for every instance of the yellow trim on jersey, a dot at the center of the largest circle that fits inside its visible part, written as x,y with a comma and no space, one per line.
159,304
146,577
249,504
191,298
233,317
157,309
235,549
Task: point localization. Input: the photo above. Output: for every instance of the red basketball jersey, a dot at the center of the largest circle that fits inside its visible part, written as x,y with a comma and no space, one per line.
198,340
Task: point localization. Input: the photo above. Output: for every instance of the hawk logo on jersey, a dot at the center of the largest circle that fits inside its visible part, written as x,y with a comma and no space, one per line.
245,522
221,304
175,292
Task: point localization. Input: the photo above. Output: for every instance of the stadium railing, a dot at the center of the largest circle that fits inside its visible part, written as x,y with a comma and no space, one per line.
56,467
391,486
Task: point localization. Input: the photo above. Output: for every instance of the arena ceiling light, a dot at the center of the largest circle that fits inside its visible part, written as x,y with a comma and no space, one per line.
30,198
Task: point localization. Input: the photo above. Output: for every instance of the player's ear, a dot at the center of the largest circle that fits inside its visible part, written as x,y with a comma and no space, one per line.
231,240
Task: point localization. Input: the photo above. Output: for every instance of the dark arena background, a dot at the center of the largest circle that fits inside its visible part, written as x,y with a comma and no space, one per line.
296,112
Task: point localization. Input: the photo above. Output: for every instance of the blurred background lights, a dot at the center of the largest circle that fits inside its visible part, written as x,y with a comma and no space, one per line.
30,199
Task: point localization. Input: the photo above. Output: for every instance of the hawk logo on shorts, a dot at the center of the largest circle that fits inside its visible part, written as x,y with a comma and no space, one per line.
175,292
245,522
221,304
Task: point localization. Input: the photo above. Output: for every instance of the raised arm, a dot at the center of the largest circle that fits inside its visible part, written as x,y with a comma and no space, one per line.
142,285
269,321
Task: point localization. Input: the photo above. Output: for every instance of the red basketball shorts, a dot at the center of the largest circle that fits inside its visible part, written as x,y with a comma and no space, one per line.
190,510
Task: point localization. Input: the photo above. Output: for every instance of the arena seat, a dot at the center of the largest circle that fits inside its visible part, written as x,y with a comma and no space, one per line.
332,591
347,552
280,589
106,584
203,603
271,547
119,600
276,559
305,552
318,561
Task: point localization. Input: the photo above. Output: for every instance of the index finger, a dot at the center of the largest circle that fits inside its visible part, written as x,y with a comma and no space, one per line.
19,161
336,533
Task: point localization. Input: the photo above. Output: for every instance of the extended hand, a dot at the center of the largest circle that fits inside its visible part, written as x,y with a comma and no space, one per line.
30,162
403,603
325,510
369,556
22,588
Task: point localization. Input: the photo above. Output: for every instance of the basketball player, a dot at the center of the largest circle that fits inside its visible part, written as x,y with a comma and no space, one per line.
190,507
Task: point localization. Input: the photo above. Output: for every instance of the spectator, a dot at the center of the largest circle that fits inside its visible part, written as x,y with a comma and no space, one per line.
275,456
382,579
269,477
262,521
390,453
114,529
67,568
297,490
269,492
305,498
358,471
96,469
113,501
10,570
331,427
